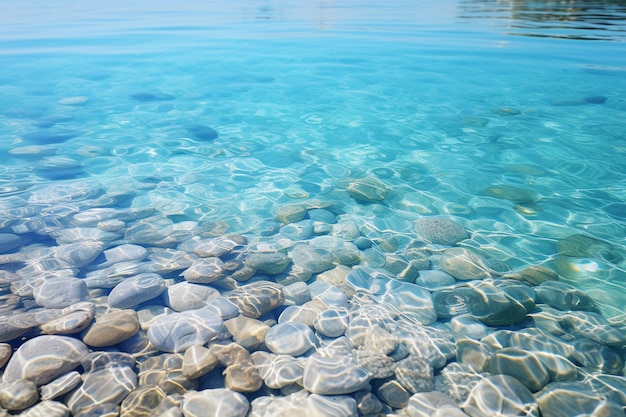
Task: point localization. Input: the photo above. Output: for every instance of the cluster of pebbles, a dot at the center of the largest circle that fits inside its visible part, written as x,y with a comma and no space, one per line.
107,309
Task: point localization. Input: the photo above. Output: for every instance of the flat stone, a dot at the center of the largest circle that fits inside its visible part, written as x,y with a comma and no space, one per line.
290,213
464,264
18,395
300,230
564,297
166,372
290,338
60,292
392,393
595,355
136,290
248,332
440,230
334,374
258,298
205,271
427,404
271,263
70,320
523,365
433,279
198,361
368,189
278,371
178,331
61,385
185,296
112,328
332,322
566,399
304,404
142,401
312,259
215,403
44,358
501,395
5,354
517,195
406,297
47,409
109,377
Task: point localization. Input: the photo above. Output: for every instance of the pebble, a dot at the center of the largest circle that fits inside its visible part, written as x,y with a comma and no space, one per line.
523,365
464,265
333,374
332,322
205,271
312,259
70,320
278,371
47,409
5,354
258,298
136,290
427,404
142,401
215,403
185,296
60,292
109,377
440,230
566,399
111,328
18,395
178,331
563,296
367,190
434,279
247,332
166,372
44,358
501,395
291,338
304,404
198,361
62,385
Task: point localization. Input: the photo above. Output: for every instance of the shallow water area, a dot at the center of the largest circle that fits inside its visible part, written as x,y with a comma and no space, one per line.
211,208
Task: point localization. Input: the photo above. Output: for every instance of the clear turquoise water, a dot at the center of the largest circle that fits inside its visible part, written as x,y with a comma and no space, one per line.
438,100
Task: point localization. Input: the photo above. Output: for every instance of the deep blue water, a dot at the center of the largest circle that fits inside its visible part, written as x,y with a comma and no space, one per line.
438,100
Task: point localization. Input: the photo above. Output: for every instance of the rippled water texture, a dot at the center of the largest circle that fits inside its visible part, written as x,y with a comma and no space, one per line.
160,121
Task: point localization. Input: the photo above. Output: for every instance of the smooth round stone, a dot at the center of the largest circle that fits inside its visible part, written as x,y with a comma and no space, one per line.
433,279
440,230
299,230
464,264
290,213
322,215
215,403
123,253
594,355
205,271
332,322
271,263
258,298
178,331
408,298
567,399
312,259
522,365
60,292
367,190
334,375
448,304
219,246
329,294
109,377
500,395
474,353
5,354
142,401
536,274
278,371
297,293
559,367
112,328
302,314
346,230
517,195
9,241
592,326
563,296
392,393
166,372
489,304
47,409
247,332
588,247
303,404
198,361
290,338
79,254
73,319
136,290
112,225
61,385
44,358
468,326
367,403
426,404
18,395
185,296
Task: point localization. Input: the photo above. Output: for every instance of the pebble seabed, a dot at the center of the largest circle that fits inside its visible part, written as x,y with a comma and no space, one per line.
108,309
